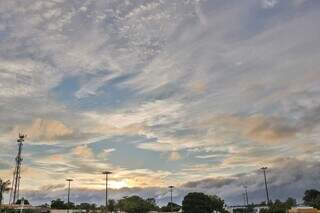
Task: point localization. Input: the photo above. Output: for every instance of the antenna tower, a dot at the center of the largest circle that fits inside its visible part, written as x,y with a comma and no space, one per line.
15,189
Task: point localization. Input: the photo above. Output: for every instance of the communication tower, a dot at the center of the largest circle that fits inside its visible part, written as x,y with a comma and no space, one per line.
15,189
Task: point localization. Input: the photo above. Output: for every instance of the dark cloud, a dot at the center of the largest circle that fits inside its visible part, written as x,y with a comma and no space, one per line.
209,183
288,177
52,187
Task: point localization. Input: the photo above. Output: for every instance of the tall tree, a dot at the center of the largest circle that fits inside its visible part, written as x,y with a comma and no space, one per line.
4,187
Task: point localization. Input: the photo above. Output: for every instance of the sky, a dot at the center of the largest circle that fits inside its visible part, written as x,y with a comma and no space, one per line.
198,94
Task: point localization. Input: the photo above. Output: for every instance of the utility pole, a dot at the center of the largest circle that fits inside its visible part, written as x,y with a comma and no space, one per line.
107,173
14,194
69,180
265,183
171,190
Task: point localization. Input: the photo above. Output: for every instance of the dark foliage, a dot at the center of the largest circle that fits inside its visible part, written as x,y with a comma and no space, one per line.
202,203
312,198
26,202
60,204
167,208
136,204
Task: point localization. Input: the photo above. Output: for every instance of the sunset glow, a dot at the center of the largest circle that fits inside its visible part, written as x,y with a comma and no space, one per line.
197,94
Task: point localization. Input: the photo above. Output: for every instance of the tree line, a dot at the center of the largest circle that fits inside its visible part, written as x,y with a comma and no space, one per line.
193,202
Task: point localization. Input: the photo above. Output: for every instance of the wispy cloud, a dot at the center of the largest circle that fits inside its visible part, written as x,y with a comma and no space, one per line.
202,88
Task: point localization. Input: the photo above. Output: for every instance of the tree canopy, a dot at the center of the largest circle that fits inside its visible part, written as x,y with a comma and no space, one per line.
202,203
25,201
136,204
4,187
280,207
167,208
86,206
312,198
60,204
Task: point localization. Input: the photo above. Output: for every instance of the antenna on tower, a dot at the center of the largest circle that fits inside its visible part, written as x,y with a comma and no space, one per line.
15,189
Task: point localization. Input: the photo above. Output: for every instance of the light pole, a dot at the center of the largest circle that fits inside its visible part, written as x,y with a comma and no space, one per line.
171,190
246,192
69,181
244,201
106,173
265,183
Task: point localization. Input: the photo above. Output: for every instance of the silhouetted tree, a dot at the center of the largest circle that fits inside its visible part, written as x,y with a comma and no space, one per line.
111,205
202,203
4,187
19,201
86,206
58,204
217,203
152,201
167,208
291,202
134,204
280,207
312,198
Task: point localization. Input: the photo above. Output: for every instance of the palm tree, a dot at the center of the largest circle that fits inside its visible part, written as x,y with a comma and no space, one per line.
4,187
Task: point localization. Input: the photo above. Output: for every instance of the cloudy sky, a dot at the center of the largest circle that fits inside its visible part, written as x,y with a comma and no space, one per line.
198,94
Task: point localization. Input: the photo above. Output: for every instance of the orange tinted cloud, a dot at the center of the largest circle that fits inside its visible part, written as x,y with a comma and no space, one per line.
257,127
44,130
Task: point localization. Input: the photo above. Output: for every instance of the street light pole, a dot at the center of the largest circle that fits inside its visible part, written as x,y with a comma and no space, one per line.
265,183
171,189
246,191
107,173
244,201
69,180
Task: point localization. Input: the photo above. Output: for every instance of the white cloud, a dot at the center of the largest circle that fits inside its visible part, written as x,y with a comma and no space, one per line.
109,150
159,112
269,3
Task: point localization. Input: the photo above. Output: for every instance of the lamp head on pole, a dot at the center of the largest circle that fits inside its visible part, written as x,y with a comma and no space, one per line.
106,172
171,187
21,138
69,179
